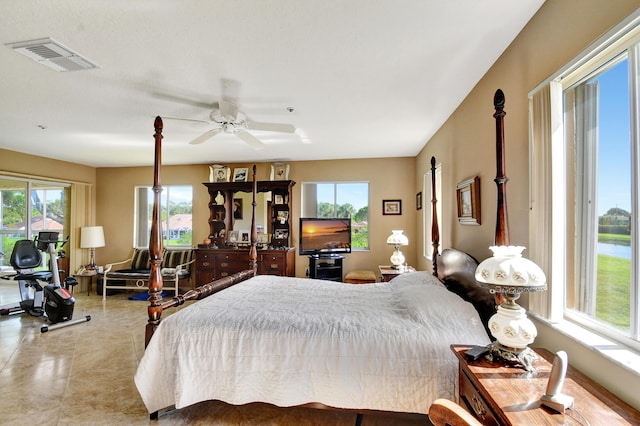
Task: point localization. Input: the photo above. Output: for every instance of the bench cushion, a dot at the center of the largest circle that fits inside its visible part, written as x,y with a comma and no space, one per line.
360,277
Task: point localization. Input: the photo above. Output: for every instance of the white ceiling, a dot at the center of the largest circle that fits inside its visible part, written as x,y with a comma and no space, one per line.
365,78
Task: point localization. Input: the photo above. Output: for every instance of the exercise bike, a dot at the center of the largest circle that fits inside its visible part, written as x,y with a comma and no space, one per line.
53,300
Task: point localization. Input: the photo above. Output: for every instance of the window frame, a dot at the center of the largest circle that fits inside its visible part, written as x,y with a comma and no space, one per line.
304,201
550,156
142,213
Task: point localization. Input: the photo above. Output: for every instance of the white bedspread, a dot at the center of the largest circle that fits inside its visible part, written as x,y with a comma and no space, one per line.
291,341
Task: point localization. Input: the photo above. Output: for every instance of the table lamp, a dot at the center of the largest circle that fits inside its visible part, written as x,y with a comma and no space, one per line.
397,239
91,237
510,274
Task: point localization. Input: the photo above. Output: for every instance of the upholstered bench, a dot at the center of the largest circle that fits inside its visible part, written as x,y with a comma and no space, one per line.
176,266
360,277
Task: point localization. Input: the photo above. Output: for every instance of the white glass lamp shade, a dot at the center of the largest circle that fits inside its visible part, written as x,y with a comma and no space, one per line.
91,237
512,272
509,273
397,239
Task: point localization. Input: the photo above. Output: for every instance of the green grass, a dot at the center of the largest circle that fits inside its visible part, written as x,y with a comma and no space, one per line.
622,240
613,291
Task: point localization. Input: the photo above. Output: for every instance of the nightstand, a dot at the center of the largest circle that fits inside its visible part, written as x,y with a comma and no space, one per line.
387,273
498,394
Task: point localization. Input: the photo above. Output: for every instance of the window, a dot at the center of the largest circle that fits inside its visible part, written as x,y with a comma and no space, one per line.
340,199
175,211
28,207
586,187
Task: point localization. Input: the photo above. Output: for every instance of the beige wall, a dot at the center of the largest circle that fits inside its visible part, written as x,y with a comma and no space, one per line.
116,197
465,145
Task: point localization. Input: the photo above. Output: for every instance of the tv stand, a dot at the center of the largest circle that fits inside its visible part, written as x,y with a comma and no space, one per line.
326,267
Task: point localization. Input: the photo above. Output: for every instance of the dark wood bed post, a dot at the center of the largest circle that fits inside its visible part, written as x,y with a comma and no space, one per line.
435,232
155,241
253,251
502,237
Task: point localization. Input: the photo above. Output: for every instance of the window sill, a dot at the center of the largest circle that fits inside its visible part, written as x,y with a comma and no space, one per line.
619,354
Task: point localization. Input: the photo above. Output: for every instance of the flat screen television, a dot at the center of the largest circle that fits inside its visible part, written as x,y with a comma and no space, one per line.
324,236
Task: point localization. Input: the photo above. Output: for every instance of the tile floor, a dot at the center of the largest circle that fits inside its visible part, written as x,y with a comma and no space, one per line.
83,375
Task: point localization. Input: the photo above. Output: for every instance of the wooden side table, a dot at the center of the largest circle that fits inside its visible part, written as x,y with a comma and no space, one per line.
89,275
388,273
498,394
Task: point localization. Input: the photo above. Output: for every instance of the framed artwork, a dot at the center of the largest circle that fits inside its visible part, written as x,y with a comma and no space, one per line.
468,197
263,238
278,199
233,236
243,234
219,173
281,234
419,201
282,216
240,174
237,208
391,207
279,171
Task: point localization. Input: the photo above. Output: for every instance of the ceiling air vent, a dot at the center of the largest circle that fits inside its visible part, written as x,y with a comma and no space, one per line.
52,54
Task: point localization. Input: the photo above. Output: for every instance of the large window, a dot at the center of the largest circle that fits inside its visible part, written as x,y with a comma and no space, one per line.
340,199
28,207
587,158
175,211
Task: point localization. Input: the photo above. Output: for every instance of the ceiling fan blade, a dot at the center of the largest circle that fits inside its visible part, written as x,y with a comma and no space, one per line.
228,110
187,119
271,127
205,136
250,139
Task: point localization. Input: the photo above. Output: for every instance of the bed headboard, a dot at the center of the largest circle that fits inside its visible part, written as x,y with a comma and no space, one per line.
455,268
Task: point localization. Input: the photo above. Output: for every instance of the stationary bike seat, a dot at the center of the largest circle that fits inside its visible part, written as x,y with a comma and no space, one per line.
35,275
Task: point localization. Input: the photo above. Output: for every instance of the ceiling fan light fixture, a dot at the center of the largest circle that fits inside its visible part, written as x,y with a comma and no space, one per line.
229,128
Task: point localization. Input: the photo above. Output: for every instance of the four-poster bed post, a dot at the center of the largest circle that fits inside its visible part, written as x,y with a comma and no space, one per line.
435,232
155,240
502,237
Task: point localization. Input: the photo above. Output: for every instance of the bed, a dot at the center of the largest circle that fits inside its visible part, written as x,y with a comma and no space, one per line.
297,341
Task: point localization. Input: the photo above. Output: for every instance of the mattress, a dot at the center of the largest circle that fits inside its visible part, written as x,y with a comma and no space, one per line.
291,341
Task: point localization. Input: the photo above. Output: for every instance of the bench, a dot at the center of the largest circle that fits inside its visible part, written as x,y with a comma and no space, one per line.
176,266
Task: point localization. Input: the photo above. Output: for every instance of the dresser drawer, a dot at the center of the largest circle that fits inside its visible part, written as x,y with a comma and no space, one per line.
473,401
272,264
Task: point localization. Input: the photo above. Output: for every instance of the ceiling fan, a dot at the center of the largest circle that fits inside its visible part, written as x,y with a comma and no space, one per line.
229,119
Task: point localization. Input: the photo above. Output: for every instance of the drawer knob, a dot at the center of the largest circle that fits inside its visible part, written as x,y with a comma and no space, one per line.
478,407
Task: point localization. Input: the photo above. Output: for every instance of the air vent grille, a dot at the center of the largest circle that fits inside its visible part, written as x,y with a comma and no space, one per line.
51,53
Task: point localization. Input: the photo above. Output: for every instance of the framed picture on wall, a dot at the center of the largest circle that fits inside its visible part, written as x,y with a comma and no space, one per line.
468,200
391,207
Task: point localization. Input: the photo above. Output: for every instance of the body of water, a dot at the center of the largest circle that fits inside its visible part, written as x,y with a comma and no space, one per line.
616,250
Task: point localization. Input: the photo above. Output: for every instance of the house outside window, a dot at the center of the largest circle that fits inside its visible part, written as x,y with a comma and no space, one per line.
176,202
340,199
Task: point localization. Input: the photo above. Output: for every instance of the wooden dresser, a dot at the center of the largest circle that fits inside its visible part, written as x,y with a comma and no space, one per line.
213,264
502,395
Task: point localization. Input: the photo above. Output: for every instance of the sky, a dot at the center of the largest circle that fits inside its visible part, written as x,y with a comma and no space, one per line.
614,182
